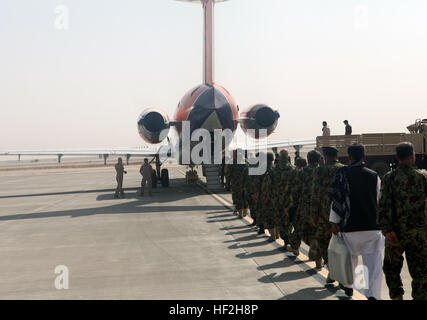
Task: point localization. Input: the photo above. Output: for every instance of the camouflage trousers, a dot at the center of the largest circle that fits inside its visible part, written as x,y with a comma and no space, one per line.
321,239
303,230
416,257
259,217
239,198
253,208
284,225
269,216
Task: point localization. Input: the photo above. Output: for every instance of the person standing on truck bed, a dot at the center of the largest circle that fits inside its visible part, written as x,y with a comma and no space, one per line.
326,131
348,129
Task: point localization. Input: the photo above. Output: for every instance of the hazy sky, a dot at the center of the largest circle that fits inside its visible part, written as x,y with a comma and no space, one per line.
313,60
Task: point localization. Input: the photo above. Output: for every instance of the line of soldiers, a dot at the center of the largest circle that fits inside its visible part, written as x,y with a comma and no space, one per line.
293,203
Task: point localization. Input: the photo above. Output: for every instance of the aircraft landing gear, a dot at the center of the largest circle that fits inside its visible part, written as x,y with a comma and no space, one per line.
154,179
165,178
159,174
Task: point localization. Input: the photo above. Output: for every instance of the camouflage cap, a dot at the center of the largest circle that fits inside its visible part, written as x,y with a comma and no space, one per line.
313,156
301,162
329,151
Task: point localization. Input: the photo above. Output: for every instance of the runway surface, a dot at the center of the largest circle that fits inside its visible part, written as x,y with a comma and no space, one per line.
182,243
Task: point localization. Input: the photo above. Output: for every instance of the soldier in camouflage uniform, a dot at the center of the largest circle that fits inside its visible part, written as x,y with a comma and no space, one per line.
277,192
239,181
254,190
402,219
284,177
301,196
320,204
267,212
252,193
300,163
227,174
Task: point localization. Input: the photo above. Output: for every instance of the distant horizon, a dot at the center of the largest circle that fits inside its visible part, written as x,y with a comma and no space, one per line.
84,87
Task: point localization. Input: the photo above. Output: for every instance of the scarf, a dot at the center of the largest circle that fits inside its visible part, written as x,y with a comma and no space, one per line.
339,194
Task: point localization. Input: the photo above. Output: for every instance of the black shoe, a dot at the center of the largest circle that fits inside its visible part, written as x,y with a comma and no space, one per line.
348,291
329,280
261,231
253,223
371,298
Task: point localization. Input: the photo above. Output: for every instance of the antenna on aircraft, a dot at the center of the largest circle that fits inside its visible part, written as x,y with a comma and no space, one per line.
209,49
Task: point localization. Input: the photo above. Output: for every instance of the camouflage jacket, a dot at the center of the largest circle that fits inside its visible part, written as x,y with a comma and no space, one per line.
239,175
320,203
254,186
403,205
283,179
302,188
267,187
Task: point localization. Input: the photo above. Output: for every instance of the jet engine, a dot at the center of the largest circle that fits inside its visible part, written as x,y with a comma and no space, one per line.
153,125
259,116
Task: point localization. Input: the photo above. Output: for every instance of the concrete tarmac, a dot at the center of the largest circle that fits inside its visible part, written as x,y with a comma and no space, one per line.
182,243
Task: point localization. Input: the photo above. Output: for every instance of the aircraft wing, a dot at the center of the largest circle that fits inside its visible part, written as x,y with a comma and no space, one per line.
275,144
200,1
142,151
291,143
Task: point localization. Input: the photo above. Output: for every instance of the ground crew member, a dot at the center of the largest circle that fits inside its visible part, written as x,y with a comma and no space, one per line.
320,204
262,197
146,172
238,186
402,219
348,129
119,178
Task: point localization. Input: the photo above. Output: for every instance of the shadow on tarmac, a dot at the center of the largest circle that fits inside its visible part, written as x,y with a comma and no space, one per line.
314,293
286,276
62,193
280,264
143,205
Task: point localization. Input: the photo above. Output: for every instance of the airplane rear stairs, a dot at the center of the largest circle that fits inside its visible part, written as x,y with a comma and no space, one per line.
212,172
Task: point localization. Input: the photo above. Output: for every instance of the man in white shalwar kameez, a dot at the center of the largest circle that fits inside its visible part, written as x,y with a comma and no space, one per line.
359,230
